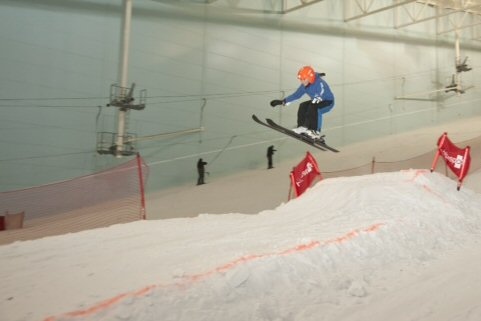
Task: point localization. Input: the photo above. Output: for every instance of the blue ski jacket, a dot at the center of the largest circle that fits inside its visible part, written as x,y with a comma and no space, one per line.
318,91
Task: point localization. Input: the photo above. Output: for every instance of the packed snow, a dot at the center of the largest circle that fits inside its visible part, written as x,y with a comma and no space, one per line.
388,246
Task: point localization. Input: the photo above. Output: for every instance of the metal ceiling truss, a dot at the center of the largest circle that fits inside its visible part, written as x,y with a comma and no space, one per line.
357,9
458,16
247,7
450,15
460,21
286,8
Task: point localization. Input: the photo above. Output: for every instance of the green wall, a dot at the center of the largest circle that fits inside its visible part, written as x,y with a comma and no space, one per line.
206,68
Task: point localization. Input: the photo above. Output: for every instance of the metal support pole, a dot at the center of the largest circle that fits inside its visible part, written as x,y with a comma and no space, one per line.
457,79
123,71
141,187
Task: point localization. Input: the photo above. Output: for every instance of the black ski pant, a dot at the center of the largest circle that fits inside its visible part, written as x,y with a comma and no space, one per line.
307,113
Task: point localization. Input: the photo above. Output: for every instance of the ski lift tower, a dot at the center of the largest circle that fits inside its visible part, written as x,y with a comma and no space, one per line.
121,143
121,96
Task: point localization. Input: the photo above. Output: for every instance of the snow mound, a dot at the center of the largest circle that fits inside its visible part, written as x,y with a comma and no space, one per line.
329,249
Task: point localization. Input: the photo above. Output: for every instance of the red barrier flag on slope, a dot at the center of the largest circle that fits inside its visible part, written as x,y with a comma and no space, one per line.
457,159
304,174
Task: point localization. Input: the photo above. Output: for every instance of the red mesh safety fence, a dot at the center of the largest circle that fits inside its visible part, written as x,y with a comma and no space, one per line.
98,200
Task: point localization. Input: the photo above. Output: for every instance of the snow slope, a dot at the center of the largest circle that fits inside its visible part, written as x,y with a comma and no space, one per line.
389,246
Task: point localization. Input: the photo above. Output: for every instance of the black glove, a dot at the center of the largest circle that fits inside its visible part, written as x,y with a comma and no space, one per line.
276,102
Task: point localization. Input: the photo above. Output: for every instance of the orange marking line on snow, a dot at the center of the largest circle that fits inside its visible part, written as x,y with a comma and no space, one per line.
422,172
417,173
427,188
106,304
220,269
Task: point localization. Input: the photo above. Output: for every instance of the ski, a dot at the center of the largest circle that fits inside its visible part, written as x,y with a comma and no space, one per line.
288,132
305,139
313,142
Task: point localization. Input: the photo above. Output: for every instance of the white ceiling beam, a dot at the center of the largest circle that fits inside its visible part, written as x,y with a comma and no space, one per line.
365,8
303,4
445,12
462,24
246,7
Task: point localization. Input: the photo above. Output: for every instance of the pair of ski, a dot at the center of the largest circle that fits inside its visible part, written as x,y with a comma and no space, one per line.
319,144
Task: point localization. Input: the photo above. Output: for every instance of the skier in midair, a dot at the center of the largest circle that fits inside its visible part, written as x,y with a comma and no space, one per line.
310,112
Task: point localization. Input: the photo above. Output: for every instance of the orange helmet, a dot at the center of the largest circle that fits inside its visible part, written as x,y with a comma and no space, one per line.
307,73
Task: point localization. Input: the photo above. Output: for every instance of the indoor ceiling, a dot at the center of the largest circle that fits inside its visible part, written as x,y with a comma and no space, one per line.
451,15
460,16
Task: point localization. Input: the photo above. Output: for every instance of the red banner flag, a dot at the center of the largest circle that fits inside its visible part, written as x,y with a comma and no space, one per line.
304,174
457,159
